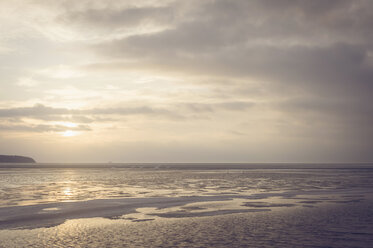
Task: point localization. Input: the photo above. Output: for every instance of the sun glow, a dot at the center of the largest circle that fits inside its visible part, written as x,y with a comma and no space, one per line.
69,133
67,124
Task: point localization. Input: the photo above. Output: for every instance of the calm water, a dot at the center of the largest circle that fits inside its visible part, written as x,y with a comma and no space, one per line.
205,205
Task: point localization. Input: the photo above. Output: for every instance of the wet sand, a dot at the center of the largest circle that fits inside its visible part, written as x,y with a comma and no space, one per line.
177,208
341,225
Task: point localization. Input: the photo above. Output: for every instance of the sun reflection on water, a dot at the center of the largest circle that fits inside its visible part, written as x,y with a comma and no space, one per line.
67,192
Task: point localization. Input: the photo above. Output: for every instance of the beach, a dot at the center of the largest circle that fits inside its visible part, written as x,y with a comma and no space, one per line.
170,206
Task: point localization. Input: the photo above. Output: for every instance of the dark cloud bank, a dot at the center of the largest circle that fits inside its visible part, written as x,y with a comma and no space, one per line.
316,56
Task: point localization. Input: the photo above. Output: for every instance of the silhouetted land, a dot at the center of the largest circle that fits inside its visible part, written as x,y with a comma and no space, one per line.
15,159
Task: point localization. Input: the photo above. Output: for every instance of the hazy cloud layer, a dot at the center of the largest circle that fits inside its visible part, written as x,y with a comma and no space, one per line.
43,128
40,110
290,80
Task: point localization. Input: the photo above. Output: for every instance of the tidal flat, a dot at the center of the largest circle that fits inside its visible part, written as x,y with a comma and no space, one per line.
180,206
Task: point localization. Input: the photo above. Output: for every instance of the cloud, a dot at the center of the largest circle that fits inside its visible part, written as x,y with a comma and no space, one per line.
42,128
320,50
279,43
40,110
211,107
46,113
118,18
295,73
37,110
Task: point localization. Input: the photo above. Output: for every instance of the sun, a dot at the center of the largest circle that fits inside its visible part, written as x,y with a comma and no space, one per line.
69,129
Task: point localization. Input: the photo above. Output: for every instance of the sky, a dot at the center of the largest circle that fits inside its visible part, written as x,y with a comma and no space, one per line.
187,81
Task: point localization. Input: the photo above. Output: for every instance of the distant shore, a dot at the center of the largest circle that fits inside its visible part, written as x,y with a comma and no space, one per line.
16,159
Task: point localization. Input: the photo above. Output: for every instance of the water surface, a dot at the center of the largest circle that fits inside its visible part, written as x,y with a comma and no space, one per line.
176,205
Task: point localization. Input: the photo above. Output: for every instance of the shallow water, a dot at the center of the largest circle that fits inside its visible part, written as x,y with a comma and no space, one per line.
170,206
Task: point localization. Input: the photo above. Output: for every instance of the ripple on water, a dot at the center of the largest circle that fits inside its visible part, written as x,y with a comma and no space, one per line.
329,226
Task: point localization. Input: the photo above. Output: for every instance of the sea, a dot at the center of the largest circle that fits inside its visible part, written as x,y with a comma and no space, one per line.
186,205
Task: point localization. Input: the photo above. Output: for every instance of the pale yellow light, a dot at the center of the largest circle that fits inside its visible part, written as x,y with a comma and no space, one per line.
69,124
69,133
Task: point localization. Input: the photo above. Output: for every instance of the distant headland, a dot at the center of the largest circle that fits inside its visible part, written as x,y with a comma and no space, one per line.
15,159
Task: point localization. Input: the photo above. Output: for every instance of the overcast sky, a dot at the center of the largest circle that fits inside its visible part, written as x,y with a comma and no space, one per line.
187,81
